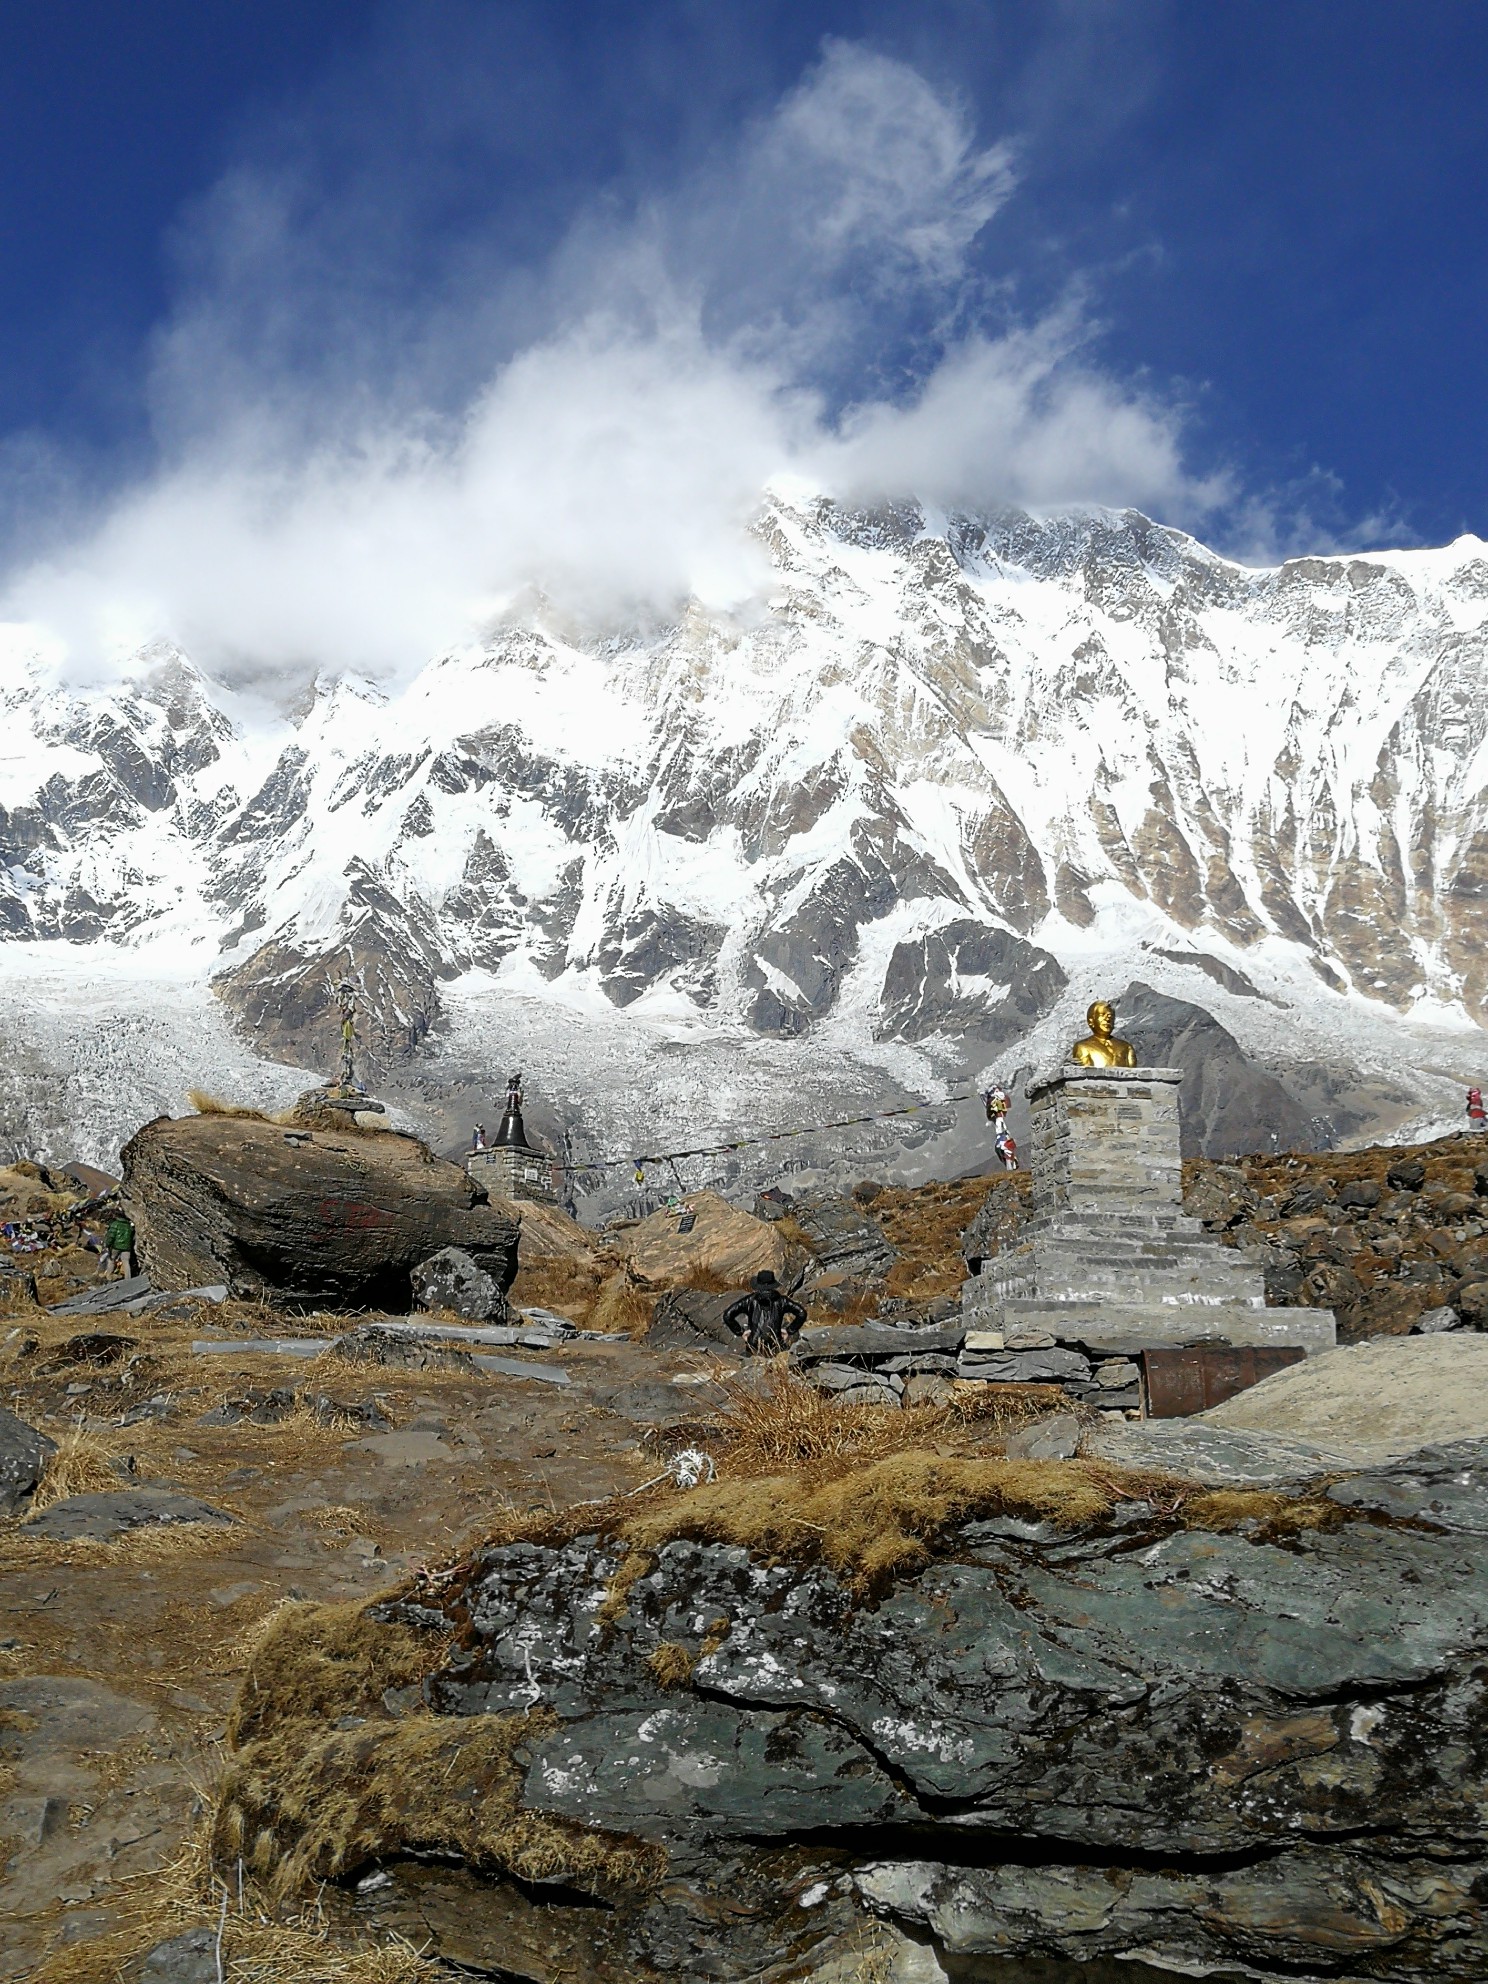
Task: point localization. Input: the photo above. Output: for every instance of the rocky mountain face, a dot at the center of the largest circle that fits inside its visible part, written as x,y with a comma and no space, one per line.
949,775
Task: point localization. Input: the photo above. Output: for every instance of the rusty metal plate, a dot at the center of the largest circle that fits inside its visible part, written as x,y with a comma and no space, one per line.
1178,1382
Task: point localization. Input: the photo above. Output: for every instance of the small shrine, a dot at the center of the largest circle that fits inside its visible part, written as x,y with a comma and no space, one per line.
1108,1256
508,1165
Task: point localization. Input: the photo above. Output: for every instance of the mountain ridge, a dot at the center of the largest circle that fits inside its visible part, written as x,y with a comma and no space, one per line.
904,807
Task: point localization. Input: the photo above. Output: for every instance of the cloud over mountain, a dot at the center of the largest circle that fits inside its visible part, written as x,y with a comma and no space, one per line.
355,469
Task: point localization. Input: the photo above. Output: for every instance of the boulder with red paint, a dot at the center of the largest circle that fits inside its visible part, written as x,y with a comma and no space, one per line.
332,1219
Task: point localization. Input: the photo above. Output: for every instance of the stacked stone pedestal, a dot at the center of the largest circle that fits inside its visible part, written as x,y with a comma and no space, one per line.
1109,1259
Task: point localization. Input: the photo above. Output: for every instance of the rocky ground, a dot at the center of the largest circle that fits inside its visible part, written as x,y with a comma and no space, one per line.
1392,1239
192,1754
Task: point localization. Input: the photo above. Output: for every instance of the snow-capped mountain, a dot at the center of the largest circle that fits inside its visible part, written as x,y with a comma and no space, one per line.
895,826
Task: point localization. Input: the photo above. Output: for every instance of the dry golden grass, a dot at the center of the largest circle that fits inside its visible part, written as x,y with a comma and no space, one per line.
256,1945
925,1224
310,1804
321,1779
83,1464
1274,1515
778,1423
567,1287
874,1523
311,1663
207,1104
160,1543
622,1309
671,1664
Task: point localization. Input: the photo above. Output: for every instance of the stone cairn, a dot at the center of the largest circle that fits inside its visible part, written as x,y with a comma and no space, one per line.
344,1099
1107,1265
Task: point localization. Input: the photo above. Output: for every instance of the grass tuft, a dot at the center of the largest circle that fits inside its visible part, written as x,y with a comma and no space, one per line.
783,1423
875,1523
82,1465
671,1664
207,1104
621,1309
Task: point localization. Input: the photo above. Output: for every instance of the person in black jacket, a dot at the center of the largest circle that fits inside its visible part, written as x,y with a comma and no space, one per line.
766,1318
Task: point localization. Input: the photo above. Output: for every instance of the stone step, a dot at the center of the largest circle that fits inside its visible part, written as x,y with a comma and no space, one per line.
1118,1329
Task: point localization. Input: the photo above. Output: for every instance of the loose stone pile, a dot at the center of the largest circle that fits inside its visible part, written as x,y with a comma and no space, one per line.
874,1364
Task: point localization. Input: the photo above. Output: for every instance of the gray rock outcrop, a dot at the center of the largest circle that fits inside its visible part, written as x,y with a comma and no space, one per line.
23,1455
1230,1102
455,1280
1261,1752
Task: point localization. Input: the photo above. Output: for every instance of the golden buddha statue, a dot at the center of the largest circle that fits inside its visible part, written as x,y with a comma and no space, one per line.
1101,1048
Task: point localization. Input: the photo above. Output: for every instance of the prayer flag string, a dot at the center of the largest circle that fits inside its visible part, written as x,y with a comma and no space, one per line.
639,1161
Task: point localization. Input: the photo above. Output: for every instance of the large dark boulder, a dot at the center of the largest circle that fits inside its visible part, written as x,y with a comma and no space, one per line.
1257,1751
843,1236
23,1454
324,1218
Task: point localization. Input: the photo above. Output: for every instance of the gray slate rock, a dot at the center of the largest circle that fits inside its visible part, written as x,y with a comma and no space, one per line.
107,1298
454,1280
1218,1456
870,1343
692,1319
843,1237
1213,1751
111,1514
186,1959
23,1455
1025,1367
376,1347
871,1391
996,1228
1434,1321
1443,1486
1055,1438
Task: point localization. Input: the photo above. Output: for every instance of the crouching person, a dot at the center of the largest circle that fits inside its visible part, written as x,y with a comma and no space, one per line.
118,1249
767,1320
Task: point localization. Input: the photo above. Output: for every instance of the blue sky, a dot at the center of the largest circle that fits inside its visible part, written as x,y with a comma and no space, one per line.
505,265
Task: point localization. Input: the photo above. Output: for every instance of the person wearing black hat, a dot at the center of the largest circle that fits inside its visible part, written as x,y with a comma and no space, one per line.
766,1318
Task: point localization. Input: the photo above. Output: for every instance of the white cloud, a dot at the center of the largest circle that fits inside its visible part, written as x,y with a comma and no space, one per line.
309,514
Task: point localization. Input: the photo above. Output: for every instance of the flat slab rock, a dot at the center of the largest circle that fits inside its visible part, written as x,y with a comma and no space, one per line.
1219,1456
871,1344
114,1512
1212,1749
107,1298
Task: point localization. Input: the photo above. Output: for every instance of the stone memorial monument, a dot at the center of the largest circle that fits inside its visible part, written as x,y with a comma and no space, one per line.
509,1167
1109,1260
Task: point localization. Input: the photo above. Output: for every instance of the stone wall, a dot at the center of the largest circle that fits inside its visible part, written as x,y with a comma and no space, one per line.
1105,1138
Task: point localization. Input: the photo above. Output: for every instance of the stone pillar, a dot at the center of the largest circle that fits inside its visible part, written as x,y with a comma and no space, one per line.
1105,1140
1108,1259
